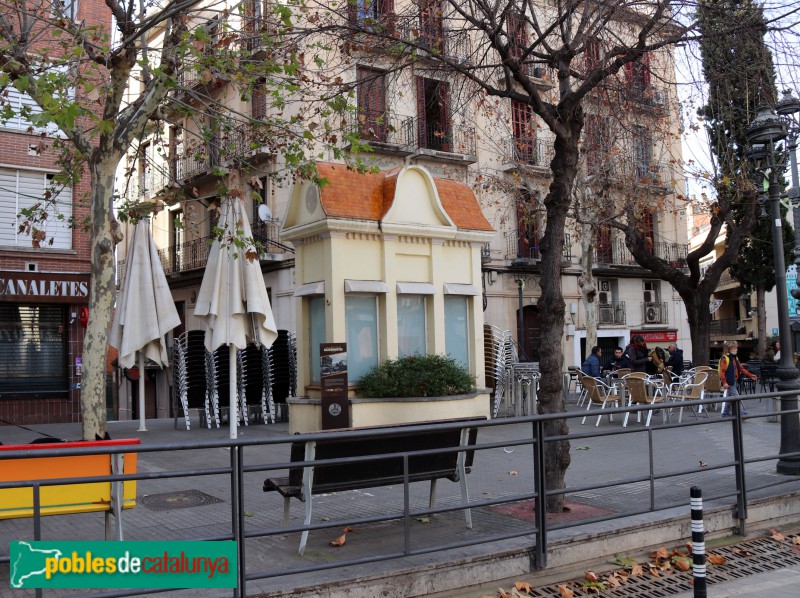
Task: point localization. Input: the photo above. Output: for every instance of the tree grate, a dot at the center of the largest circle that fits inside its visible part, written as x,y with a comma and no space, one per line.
742,560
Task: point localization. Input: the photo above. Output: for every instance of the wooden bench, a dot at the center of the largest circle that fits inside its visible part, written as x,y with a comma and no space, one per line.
110,497
305,481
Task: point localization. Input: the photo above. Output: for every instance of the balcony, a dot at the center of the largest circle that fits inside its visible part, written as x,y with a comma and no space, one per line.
267,236
527,151
433,39
647,99
611,313
726,327
616,253
386,133
524,253
454,144
257,24
654,313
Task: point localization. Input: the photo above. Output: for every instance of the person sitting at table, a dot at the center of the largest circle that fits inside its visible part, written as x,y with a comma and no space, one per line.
591,365
619,361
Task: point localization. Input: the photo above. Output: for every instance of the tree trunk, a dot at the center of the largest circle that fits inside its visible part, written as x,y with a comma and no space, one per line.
761,311
699,323
551,317
104,235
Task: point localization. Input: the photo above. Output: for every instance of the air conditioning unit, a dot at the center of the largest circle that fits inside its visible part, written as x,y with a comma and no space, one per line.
651,315
606,314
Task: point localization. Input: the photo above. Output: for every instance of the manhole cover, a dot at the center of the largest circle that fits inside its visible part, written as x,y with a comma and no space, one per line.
182,499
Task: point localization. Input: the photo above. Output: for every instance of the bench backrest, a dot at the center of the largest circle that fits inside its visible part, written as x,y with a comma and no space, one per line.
386,440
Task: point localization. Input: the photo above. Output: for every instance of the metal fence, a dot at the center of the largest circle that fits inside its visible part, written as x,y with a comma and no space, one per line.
251,458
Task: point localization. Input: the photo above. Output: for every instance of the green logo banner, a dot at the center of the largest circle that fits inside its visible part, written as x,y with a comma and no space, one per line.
123,564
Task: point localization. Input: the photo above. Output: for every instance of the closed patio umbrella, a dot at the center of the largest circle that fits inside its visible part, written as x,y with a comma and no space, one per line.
145,310
233,298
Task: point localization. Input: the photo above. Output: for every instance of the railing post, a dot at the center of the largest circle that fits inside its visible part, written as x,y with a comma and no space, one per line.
738,457
540,513
698,543
237,517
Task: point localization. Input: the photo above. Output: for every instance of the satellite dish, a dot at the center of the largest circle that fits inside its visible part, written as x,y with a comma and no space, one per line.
264,213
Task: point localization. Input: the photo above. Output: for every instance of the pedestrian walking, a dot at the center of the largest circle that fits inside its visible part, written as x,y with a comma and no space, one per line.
729,372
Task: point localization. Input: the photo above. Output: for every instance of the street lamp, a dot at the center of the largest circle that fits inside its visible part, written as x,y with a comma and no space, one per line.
763,133
789,108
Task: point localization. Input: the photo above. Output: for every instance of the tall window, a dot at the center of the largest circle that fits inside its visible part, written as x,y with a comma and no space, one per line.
456,328
647,228
21,189
515,24
370,12
411,328
524,133
433,114
33,351
591,56
361,315
372,125
527,226
316,318
597,144
642,152
602,247
637,76
431,24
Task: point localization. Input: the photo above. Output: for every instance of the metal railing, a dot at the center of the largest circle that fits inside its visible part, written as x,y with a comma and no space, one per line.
191,255
655,312
433,37
618,253
526,248
528,150
661,483
611,313
383,128
448,138
725,326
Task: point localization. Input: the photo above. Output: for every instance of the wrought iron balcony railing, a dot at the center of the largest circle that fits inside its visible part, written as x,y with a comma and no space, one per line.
455,139
725,327
616,252
654,313
434,38
528,249
611,313
528,151
381,127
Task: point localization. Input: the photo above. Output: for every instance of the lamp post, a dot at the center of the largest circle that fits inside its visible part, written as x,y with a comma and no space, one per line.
789,108
762,134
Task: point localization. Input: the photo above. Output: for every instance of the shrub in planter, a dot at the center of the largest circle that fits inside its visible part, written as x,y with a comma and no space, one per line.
416,376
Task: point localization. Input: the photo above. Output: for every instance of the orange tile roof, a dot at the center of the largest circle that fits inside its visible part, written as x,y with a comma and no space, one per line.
349,194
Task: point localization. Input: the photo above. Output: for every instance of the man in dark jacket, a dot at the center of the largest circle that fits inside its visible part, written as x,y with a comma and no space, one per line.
637,353
592,365
619,361
675,359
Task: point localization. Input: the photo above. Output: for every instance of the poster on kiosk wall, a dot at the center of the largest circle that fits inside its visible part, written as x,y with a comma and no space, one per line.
333,385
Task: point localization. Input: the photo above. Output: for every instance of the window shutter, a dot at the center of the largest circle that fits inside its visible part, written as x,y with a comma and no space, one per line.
443,96
629,73
422,116
646,69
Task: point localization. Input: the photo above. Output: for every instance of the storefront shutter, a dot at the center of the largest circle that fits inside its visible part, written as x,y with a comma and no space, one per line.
33,351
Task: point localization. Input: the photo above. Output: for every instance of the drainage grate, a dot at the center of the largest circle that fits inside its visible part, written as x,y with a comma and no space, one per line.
182,499
743,559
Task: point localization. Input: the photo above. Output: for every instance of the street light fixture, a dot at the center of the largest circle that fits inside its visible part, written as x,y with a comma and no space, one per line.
764,132
789,108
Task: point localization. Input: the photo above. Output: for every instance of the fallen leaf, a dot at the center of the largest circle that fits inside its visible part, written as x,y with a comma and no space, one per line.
796,540
591,576
741,551
512,472
614,581
339,541
502,593
424,519
776,535
624,561
523,586
582,448
347,529
565,592
716,559
661,553
682,563
653,571
637,570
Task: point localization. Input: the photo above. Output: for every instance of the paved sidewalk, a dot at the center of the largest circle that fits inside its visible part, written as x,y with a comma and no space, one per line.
497,472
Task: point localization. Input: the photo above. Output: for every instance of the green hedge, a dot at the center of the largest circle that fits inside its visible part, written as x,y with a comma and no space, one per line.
416,376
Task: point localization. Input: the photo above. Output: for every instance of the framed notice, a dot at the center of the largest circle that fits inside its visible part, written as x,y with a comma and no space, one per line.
333,385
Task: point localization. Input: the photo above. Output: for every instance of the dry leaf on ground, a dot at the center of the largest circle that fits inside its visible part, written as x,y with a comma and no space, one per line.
716,559
512,472
776,535
661,553
637,570
565,592
339,541
523,586
591,576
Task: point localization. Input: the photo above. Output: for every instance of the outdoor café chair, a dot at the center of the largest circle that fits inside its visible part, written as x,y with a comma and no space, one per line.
599,394
689,391
642,391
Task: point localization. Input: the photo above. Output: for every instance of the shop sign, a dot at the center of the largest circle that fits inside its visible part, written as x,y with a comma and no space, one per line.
333,385
657,336
40,287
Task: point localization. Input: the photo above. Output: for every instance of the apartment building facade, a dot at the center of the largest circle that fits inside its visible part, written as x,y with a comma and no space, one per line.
423,117
44,265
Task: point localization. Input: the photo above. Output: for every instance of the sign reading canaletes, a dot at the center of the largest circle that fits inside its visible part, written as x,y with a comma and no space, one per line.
40,287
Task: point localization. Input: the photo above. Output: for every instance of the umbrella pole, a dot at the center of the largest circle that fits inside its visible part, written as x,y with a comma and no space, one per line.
142,426
233,418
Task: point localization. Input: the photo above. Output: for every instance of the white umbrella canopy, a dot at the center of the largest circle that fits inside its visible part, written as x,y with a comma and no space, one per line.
145,310
233,298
